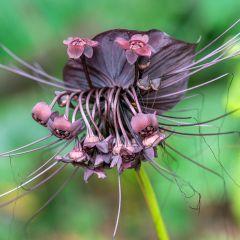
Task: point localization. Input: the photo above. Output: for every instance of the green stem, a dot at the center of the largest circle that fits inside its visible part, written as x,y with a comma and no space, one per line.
152,203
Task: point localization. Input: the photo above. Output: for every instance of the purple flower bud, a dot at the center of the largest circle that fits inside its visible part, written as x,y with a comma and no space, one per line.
144,124
78,46
64,129
41,113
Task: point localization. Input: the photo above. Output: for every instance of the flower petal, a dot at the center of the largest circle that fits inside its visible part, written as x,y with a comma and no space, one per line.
140,37
144,51
91,43
75,52
131,57
122,42
88,51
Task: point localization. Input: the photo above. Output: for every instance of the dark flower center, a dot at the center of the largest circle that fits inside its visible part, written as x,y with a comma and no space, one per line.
78,42
136,44
61,133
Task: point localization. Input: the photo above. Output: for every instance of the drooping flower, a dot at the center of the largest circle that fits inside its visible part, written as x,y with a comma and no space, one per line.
78,46
62,128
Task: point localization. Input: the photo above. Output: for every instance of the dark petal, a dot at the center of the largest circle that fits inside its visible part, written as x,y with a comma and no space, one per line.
171,56
144,83
87,174
155,83
88,51
116,160
131,57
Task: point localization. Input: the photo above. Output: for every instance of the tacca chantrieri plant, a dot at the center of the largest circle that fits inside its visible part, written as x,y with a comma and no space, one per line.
111,105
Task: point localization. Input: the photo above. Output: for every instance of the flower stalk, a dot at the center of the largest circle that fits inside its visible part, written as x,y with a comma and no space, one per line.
152,203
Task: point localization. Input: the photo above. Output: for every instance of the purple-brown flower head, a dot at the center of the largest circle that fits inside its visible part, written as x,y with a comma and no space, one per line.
144,124
41,112
136,46
64,129
78,46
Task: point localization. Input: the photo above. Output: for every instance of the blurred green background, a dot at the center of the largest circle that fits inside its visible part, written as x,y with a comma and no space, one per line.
34,30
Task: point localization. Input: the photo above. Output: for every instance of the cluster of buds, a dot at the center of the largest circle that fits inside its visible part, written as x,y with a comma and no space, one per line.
102,137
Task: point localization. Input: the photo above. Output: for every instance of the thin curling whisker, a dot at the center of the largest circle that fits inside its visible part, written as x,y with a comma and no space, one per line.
177,179
31,150
192,88
217,38
35,187
37,79
27,145
30,67
200,123
195,162
59,190
119,206
223,48
200,134
29,181
49,160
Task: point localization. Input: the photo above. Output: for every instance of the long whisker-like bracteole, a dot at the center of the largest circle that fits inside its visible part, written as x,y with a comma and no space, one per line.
27,145
217,38
22,73
49,160
34,187
31,150
119,206
36,70
200,123
29,181
56,193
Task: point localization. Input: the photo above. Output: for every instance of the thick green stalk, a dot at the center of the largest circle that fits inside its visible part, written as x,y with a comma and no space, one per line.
152,203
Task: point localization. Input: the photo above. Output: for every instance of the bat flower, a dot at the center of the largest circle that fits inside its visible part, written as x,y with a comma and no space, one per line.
76,47
114,112
137,46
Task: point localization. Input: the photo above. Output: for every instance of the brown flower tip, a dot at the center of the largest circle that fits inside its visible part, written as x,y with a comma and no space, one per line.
41,113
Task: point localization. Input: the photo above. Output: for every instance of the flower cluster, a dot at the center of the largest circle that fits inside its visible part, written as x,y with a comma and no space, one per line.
114,127
111,105
116,90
